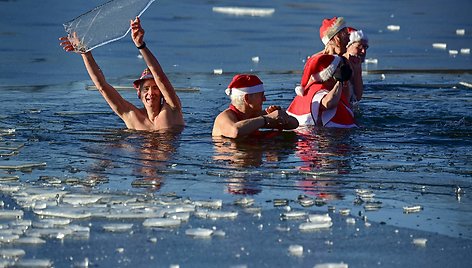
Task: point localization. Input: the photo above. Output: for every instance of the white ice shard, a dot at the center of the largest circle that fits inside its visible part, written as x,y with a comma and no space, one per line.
104,24
161,223
117,227
199,232
245,11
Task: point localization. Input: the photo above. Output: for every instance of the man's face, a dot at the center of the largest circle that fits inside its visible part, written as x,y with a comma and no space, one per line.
358,49
256,100
342,40
150,93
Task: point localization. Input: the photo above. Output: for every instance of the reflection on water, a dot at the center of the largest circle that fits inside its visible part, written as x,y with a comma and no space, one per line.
252,153
325,153
146,154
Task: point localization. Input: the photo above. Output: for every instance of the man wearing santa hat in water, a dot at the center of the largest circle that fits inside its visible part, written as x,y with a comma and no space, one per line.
245,115
356,53
162,108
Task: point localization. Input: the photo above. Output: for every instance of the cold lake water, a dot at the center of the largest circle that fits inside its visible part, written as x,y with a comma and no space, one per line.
79,190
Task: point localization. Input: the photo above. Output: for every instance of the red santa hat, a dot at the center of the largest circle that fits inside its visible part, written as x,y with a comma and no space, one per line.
356,36
146,74
244,84
330,27
319,68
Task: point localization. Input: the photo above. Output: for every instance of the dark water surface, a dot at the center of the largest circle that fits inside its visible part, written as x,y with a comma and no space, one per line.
413,146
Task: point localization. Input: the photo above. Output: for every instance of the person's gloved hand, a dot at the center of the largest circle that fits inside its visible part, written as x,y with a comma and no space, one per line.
343,73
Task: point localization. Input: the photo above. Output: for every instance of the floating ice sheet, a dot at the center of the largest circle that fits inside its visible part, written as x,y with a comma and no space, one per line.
106,23
245,11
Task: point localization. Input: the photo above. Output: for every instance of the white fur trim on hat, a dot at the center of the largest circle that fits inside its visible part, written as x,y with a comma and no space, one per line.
333,30
244,90
357,36
327,72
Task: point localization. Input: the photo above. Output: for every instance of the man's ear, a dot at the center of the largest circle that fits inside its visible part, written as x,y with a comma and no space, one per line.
139,94
246,99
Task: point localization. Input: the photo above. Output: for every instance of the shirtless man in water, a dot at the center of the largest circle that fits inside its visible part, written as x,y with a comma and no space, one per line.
162,108
245,115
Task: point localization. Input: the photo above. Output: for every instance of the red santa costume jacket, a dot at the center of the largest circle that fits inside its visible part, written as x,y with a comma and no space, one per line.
306,107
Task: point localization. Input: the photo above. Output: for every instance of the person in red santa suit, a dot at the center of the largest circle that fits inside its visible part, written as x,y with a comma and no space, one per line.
323,96
245,115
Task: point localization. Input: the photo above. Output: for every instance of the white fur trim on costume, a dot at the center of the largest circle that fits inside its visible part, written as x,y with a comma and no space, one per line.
303,119
245,90
316,102
327,72
299,90
357,36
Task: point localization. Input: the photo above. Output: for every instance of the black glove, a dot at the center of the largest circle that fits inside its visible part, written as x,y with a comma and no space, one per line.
343,72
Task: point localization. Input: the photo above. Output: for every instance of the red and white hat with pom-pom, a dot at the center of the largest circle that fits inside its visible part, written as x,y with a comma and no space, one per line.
244,84
356,36
330,27
319,68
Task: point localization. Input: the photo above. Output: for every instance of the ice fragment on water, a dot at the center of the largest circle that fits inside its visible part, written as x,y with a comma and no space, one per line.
8,214
255,59
244,202
292,215
245,11
161,222
344,211
199,232
412,209
222,214
453,52
371,61
460,31
217,71
12,253
295,250
393,27
420,242
440,45
310,226
33,263
117,227
30,240
319,218
465,50
209,204
331,265
351,221
280,202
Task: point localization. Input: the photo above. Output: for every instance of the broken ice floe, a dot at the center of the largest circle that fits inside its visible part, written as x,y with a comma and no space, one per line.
453,52
295,250
245,11
18,165
316,222
306,201
117,227
161,223
331,265
199,232
412,209
255,59
440,45
420,242
393,27
217,71
371,61
465,50
293,215
460,31
12,253
34,263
